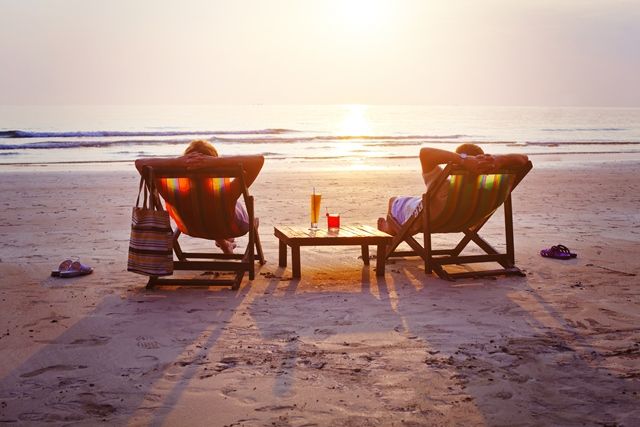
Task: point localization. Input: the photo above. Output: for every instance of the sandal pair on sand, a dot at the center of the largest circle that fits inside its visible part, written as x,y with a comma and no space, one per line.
70,268
558,252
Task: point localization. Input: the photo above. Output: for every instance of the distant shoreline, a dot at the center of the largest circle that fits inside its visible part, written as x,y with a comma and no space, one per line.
391,163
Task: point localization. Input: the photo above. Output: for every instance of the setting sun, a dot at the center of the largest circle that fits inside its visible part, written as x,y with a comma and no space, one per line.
360,15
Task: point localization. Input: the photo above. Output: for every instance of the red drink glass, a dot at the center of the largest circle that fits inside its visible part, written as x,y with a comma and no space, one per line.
333,221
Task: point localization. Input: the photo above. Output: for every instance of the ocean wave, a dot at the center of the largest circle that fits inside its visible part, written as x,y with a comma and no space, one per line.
383,141
557,143
605,129
97,143
390,139
277,156
573,153
89,134
46,145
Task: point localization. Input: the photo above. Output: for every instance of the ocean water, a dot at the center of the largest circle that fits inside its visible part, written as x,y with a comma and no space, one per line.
310,136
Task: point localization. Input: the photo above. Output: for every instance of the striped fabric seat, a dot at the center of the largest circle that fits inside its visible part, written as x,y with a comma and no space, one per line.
472,199
201,206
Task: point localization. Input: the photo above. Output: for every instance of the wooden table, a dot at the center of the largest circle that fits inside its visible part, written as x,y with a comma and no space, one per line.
362,235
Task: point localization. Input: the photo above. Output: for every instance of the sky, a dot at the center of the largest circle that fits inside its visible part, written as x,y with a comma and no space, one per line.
432,52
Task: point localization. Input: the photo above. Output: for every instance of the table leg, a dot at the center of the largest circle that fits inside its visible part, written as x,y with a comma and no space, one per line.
295,261
380,255
282,254
365,254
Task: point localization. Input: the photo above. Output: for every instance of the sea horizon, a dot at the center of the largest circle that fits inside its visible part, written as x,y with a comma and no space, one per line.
341,135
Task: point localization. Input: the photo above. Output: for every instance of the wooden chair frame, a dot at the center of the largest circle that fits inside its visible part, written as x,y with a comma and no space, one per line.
217,262
435,259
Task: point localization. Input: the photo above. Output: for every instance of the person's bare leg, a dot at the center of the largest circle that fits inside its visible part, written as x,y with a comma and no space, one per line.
383,223
227,245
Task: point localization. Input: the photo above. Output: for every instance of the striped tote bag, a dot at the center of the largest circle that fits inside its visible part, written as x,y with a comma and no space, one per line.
150,245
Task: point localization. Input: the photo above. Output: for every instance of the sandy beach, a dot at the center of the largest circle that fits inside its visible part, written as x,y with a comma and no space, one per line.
340,346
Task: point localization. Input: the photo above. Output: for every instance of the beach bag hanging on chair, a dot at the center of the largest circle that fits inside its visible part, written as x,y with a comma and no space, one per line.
151,242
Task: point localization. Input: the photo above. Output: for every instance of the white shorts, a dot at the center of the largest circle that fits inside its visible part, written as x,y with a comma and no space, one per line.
242,217
404,206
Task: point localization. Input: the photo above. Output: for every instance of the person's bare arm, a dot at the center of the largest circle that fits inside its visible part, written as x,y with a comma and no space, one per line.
432,157
506,160
251,164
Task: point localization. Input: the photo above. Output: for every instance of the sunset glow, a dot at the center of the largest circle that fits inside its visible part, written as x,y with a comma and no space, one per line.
355,121
392,52
363,15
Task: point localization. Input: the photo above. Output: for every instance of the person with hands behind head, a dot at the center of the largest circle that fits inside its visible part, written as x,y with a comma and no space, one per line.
202,147
469,156
196,154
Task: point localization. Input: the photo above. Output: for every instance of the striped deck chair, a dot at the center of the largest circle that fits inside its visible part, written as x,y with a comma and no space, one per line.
472,200
201,200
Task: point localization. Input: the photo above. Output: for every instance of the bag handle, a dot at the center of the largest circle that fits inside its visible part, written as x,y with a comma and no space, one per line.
144,203
151,199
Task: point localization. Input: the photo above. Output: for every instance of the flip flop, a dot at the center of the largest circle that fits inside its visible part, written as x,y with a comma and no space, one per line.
64,266
563,248
76,269
558,252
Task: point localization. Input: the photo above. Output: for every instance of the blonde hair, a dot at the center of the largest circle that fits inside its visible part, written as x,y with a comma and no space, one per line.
469,149
201,146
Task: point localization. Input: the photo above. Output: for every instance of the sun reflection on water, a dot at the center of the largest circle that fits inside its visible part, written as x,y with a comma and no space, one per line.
355,121
354,124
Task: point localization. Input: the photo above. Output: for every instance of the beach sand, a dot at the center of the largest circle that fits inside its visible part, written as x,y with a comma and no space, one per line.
340,346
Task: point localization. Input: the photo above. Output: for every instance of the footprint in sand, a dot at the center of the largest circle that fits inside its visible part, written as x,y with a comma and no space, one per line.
504,395
147,343
98,409
52,368
593,322
53,319
272,408
94,340
324,332
148,358
45,417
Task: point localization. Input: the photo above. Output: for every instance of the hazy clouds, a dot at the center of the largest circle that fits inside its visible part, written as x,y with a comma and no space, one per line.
326,51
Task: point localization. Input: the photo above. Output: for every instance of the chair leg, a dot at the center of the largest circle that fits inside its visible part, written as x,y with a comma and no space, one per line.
508,231
176,246
152,282
402,234
428,260
249,259
259,253
238,280
426,222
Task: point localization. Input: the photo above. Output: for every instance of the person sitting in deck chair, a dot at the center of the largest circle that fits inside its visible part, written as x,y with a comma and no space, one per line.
469,156
202,147
199,150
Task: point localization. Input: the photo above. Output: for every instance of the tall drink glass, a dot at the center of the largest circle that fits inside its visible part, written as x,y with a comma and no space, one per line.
315,210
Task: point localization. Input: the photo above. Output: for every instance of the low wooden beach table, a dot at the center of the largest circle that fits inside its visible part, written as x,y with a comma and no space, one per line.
362,235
